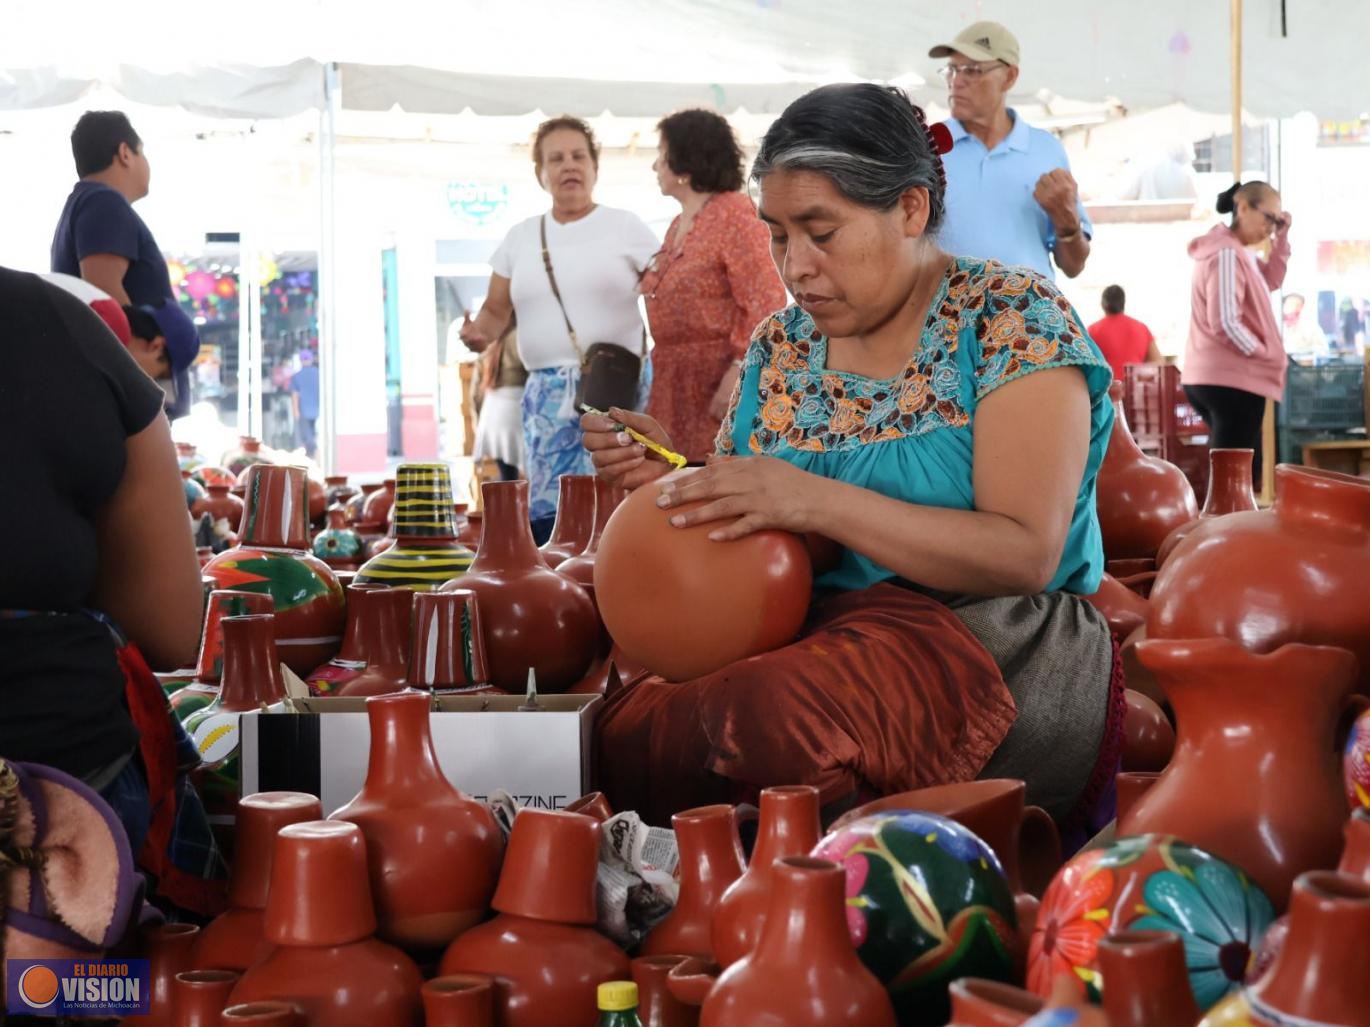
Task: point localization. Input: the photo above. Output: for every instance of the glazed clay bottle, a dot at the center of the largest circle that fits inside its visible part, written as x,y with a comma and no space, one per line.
1229,491
234,940
804,971
199,996
1355,857
1299,572
338,545
711,859
425,552
976,1002
575,519
383,627
533,616
434,854
656,1006
1141,499
789,826
543,950
461,1000
449,644
320,917
209,669
167,948
1145,980
1255,778
273,557
262,1014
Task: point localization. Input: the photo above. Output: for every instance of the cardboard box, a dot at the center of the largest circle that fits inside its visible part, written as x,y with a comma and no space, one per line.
483,743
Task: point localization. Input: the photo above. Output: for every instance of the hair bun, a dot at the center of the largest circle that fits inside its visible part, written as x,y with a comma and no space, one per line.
1227,199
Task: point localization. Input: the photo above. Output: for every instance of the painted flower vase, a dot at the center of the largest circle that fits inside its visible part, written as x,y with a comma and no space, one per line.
425,552
209,669
927,902
338,545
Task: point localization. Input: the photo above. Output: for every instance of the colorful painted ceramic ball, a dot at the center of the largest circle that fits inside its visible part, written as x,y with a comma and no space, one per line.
1150,883
927,903
1357,763
682,605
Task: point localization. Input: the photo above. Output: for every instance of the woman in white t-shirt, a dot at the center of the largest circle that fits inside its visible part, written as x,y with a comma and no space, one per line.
597,254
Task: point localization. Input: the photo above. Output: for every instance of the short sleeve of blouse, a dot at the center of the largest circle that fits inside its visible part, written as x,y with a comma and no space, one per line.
1026,325
745,402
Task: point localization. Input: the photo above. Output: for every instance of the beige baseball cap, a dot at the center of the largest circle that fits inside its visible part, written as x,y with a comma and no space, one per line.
983,41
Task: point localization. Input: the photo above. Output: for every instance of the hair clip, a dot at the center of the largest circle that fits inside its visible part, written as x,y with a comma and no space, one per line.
940,136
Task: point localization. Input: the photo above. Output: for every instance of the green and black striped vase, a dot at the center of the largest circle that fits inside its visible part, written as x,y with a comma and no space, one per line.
426,551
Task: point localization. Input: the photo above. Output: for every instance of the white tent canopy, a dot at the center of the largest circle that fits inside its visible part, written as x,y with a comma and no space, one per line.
261,58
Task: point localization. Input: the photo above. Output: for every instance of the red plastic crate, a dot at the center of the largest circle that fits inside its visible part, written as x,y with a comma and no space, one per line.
1155,404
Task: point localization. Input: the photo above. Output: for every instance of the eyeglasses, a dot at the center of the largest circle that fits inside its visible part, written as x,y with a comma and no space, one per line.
970,72
1273,220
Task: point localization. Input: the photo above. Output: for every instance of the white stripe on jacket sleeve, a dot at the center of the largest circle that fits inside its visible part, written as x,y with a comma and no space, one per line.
1229,314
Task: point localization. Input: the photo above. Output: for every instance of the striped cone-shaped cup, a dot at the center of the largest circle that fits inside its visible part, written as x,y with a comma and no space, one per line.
426,552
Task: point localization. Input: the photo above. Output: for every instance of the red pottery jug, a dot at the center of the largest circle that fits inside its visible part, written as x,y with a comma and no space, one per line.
320,917
273,557
354,507
1148,737
804,969
976,1002
788,826
377,506
1131,786
434,854
350,660
449,643
1299,572
338,490
168,951
220,504
542,950
234,940
209,668
199,997
1229,491
1145,980
533,617
383,625
575,521
580,567
683,605
656,1006
711,859
1255,777
1123,608
461,1000
1141,499
262,1014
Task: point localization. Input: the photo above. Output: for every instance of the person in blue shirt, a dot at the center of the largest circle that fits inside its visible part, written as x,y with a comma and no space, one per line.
1010,194
100,237
304,398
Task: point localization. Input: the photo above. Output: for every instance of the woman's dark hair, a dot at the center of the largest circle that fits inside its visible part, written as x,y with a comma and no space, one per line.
554,124
96,139
1251,192
700,146
871,141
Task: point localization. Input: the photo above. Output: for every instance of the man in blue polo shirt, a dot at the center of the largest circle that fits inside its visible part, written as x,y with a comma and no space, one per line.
101,239
1010,194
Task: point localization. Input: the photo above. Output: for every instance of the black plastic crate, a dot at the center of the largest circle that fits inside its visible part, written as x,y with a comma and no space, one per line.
1330,397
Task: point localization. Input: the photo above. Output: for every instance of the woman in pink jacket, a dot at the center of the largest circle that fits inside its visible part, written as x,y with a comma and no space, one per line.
1235,358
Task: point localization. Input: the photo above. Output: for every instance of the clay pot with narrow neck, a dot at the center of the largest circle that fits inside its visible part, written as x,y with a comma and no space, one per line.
976,1002
1145,980
350,659
384,620
262,1014
434,854
337,544
1255,777
1131,786
235,939
1123,608
354,507
320,917
803,969
533,616
1355,856
460,1000
198,997
789,826
377,506
221,504
273,557
449,643
249,452
543,950
656,1006
580,567
209,668
167,948
425,551
711,859
338,491
575,521
1141,499
1148,737
1299,572
1229,491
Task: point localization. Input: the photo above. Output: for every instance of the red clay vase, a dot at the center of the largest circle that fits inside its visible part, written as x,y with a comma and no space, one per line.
320,917
1123,608
461,1000
318,501
976,1002
580,567
683,605
711,859
543,951
1355,857
209,668
434,854
1148,737
533,616
804,970
384,619
235,940
1131,786
354,507
1141,499
1299,572
249,452
425,551
1229,491
167,948
1145,980
220,504
656,1006
350,659
199,997
788,826
575,521
377,506
449,643
338,491
1255,777
273,557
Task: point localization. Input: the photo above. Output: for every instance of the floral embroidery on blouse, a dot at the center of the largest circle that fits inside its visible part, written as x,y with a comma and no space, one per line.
1019,321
